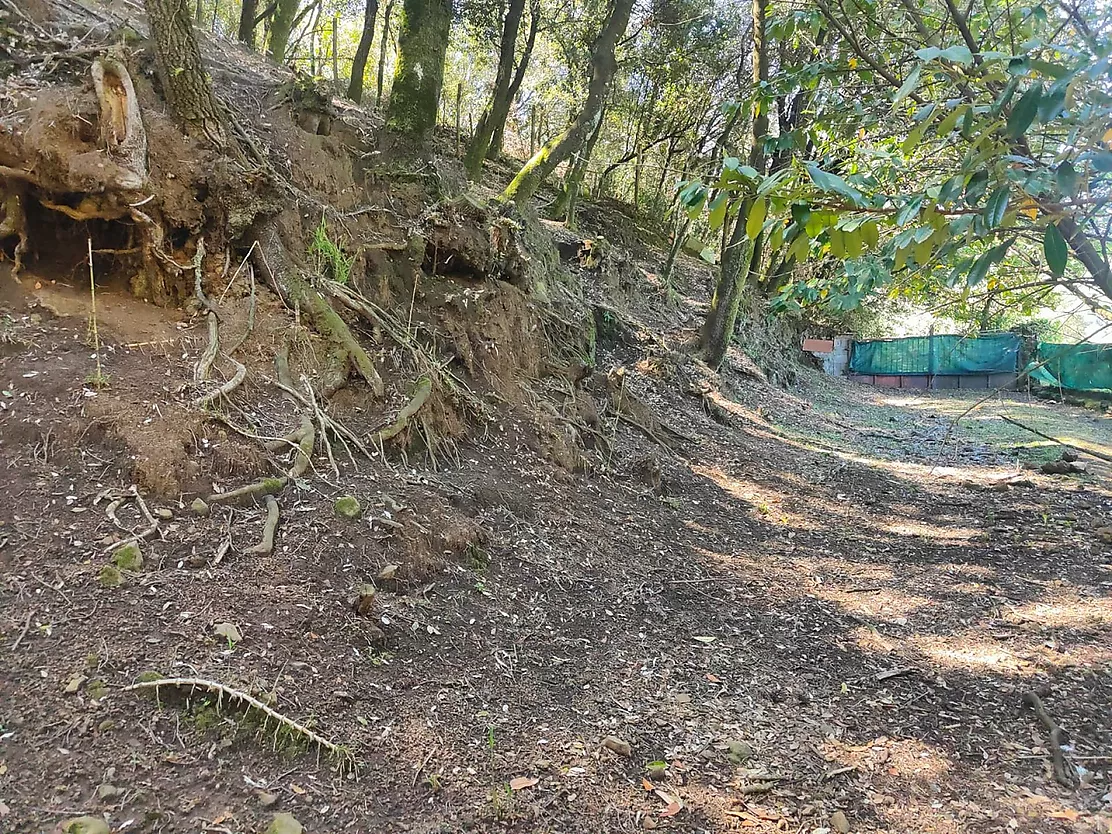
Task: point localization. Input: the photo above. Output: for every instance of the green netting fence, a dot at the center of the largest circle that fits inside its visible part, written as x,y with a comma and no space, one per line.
942,355
1080,367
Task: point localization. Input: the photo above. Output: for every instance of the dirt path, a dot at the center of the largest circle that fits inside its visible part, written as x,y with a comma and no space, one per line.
813,624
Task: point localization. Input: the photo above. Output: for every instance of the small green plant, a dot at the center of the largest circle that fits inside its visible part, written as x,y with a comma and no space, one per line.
477,558
490,738
330,258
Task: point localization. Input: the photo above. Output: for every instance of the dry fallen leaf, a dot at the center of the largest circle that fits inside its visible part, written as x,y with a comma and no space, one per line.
672,809
647,785
297,789
713,678
521,782
704,638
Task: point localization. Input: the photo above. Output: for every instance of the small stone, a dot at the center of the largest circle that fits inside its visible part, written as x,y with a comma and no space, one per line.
283,824
364,599
110,577
199,506
348,507
106,791
129,557
616,745
839,822
387,573
228,631
1069,455
376,636
165,513
85,825
74,684
268,800
1104,534
106,725
1056,467
738,752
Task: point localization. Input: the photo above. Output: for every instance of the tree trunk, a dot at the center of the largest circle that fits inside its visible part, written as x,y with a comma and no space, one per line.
281,25
573,181
382,51
359,63
562,146
187,85
738,258
499,107
247,16
419,74
499,126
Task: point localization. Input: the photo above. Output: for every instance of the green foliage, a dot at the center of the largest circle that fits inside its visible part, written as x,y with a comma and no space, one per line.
331,260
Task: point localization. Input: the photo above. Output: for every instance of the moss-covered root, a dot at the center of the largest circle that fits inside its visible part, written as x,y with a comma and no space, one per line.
267,486
306,438
272,259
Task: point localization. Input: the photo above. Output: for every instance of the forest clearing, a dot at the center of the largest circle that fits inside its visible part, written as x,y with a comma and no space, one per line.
410,417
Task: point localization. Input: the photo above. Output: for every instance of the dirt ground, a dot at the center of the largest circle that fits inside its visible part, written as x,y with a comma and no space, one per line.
821,612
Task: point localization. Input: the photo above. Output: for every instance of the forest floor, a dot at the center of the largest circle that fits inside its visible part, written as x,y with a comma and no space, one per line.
824,617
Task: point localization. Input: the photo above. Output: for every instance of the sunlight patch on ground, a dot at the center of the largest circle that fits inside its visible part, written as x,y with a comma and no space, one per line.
1078,613
889,604
947,535
972,654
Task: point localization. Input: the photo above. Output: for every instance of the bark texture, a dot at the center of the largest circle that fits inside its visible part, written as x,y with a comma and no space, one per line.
499,131
359,62
382,50
561,147
499,107
739,258
419,74
281,25
188,87
247,14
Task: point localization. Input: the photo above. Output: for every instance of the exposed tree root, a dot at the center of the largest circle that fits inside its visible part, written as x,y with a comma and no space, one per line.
266,486
420,396
343,755
305,437
269,528
225,389
272,259
1063,773
205,363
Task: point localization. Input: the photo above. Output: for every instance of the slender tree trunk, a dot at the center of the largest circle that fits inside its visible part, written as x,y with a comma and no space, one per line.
382,51
359,62
559,148
187,86
573,181
419,74
281,25
247,14
739,258
500,100
499,125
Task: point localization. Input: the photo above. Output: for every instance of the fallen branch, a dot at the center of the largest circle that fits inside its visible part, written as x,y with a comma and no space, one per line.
1045,436
1063,774
269,528
343,755
23,633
